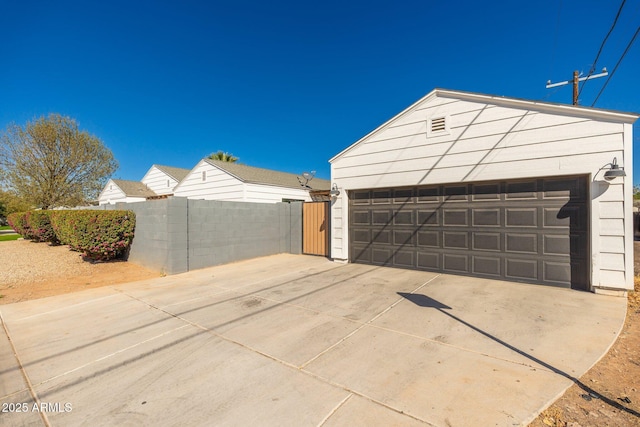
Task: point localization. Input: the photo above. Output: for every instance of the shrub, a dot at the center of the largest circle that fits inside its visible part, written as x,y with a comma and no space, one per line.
99,235
40,227
19,221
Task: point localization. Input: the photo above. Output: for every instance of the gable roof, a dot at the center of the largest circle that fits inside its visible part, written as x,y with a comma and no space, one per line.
255,175
176,173
547,107
134,188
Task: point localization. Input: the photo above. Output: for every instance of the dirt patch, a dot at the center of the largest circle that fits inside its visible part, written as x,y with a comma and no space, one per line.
608,394
36,270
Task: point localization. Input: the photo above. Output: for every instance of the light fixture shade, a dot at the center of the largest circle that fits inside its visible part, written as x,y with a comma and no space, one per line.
334,191
615,171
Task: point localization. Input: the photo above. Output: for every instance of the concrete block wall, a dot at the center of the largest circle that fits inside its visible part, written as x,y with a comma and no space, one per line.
175,235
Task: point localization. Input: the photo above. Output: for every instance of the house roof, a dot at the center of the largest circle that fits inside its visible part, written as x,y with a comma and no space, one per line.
548,107
266,176
134,188
176,173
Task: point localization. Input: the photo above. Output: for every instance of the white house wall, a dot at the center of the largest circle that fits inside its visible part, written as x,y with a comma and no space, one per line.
262,193
218,185
489,142
157,181
112,194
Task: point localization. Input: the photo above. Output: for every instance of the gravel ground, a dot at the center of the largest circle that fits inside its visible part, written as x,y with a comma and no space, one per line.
36,270
23,260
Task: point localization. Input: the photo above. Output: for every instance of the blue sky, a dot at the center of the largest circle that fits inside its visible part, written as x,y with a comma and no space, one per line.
287,85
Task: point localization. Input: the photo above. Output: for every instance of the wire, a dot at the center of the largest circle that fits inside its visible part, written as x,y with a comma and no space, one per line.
595,61
616,67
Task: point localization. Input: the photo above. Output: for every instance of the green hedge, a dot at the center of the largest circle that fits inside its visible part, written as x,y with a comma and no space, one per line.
99,235
19,221
40,229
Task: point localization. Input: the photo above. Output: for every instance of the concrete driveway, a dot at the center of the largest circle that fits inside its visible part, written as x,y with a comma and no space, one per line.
299,340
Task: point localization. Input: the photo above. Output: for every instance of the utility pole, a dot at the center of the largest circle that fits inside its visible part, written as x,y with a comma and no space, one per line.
575,81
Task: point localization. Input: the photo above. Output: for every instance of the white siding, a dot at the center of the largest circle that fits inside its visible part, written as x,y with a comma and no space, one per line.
486,141
112,194
218,185
157,180
262,193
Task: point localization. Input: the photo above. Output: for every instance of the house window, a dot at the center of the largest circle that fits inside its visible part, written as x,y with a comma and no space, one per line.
438,125
204,175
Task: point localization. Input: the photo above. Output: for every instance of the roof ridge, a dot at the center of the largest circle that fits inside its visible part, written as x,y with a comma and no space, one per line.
257,175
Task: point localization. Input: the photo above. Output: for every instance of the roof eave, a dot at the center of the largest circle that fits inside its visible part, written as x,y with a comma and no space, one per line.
589,112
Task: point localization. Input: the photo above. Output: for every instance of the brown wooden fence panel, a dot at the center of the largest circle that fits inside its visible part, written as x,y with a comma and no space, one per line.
315,231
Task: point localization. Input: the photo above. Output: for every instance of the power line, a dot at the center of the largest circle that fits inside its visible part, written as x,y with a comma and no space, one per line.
616,67
595,61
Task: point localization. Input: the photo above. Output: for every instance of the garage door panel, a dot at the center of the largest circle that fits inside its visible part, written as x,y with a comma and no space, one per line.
404,238
381,236
521,190
485,192
360,217
485,217
521,217
559,272
429,261
569,215
429,195
455,240
381,197
404,217
557,245
533,230
429,239
486,266
361,236
523,243
564,188
458,193
404,259
381,256
521,269
486,241
403,196
362,254
428,217
381,216
454,217
456,263
361,198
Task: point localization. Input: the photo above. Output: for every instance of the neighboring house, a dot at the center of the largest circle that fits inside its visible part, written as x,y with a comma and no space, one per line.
217,180
120,190
163,179
491,187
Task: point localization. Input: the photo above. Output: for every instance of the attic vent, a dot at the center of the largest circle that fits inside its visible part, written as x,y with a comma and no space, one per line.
438,124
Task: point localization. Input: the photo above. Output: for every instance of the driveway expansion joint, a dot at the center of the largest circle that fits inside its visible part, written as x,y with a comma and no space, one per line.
25,376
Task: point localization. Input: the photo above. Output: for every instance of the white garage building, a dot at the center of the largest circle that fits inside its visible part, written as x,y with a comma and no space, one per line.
494,187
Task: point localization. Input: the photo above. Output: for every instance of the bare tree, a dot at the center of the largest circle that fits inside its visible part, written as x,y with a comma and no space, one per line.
51,162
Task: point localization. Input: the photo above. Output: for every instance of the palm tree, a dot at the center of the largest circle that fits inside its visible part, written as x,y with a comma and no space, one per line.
223,157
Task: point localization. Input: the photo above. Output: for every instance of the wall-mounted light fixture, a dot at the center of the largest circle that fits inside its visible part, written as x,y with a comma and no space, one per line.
614,171
334,191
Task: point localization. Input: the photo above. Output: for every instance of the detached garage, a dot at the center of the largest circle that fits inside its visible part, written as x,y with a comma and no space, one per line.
471,184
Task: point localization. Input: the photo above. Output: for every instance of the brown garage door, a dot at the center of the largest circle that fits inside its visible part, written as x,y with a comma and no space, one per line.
531,231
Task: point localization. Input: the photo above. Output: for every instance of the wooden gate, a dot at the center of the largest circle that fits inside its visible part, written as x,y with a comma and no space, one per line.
315,228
